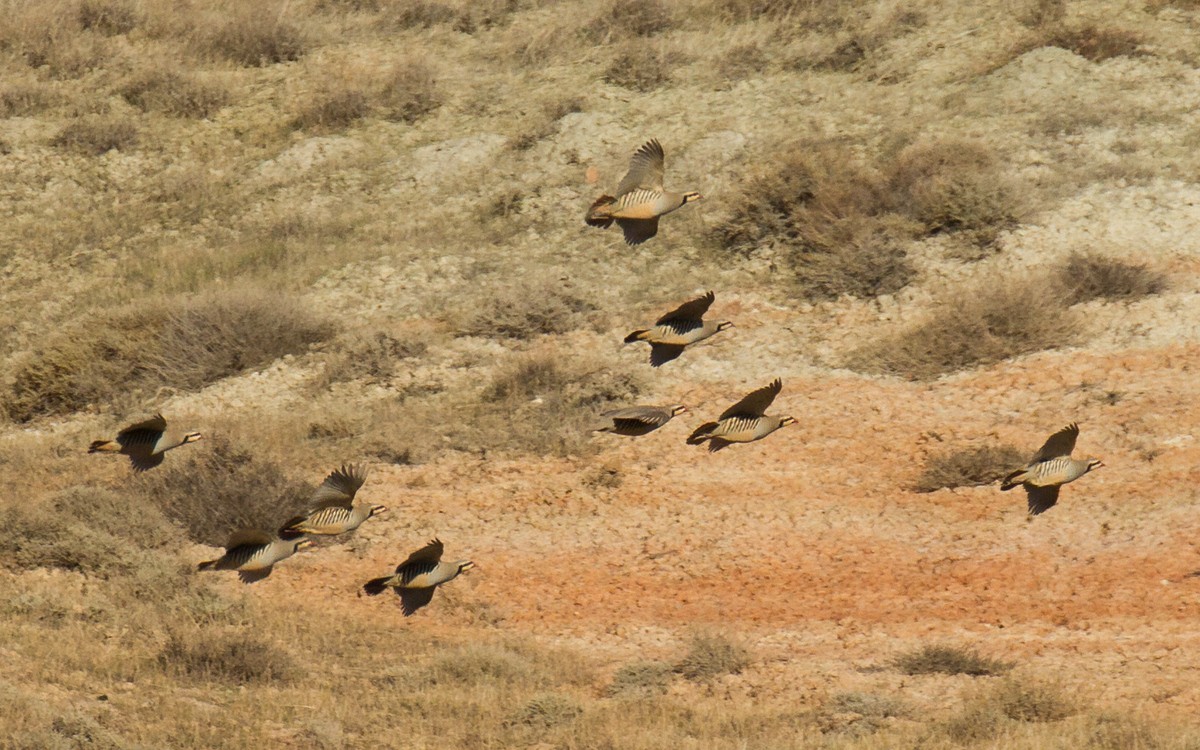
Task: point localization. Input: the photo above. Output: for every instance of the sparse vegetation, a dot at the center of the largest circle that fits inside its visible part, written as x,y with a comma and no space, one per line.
238,657
257,41
712,655
940,659
1032,700
1092,42
968,467
1091,277
639,67
173,93
628,18
979,327
97,135
522,312
410,92
642,679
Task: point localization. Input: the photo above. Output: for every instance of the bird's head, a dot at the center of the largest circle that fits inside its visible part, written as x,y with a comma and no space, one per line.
191,437
690,196
376,510
678,409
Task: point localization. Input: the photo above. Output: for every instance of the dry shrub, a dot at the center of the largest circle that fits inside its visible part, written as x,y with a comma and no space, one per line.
256,40
1031,701
87,529
410,92
829,217
547,710
25,99
1092,42
952,185
333,110
505,666
621,19
545,124
640,67
950,660
742,61
968,467
1115,732
972,328
97,135
858,714
977,722
237,658
416,14
525,311
217,486
108,17
712,655
367,357
642,679
173,92
213,336
1090,277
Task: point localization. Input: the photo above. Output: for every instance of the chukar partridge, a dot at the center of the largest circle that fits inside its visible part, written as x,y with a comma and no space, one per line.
683,326
253,553
417,577
640,198
744,421
1051,468
333,508
639,420
145,442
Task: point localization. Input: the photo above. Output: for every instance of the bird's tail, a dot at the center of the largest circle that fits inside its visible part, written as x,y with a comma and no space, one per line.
636,336
598,215
207,565
104,446
376,586
701,433
291,530
1012,480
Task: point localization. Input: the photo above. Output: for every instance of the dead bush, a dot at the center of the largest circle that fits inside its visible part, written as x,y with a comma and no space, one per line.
238,657
977,722
951,185
628,18
108,17
1031,701
525,312
410,92
221,487
950,660
1090,277
370,358
641,679
640,67
257,40
968,467
710,656
1092,42
97,135
333,110
213,336
496,665
828,216
174,93
972,328
547,710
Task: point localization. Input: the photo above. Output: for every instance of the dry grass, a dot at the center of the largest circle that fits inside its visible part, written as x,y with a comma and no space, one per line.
370,358
968,467
642,679
1089,41
217,486
1091,277
525,311
970,328
950,660
108,17
622,19
173,92
255,41
712,655
98,135
238,657
640,67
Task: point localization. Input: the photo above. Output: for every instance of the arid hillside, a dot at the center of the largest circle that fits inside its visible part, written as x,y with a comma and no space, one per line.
324,232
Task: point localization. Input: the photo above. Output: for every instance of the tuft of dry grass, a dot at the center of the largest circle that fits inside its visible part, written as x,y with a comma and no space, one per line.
1091,277
525,311
255,41
333,109
24,99
712,655
108,17
742,61
547,710
970,328
950,660
219,486
97,135
641,679
640,67
173,92
620,19
238,658
1095,43
410,92
367,357
968,467
1032,700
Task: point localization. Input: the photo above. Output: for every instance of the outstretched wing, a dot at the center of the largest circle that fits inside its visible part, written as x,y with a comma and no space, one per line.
248,536
638,231
340,487
250,576
645,169
660,354
754,403
145,460
1041,499
691,310
1060,443
144,433
430,553
647,415
413,599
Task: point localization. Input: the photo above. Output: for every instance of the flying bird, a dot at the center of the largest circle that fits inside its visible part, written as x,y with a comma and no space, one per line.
333,508
639,420
418,577
145,442
253,554
683,326
640,199
1049,469
743,422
